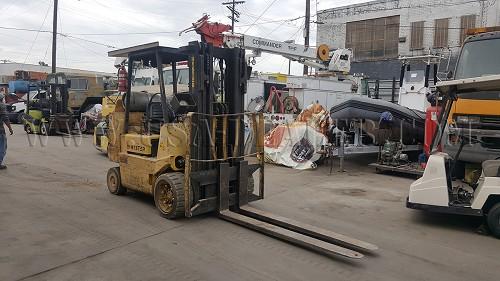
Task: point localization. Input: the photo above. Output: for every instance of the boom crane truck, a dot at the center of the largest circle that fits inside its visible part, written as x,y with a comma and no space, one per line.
321,58
188,150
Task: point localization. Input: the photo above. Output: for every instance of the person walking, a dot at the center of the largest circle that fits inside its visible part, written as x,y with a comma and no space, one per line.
4,119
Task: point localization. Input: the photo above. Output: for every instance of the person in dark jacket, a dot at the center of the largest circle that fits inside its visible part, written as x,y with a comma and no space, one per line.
4,119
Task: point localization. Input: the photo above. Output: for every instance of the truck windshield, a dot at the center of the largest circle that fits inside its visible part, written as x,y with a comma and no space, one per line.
142,81
182,76
479,58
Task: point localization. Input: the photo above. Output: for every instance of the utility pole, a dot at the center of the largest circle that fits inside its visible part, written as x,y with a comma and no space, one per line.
234,14
306,30
54,38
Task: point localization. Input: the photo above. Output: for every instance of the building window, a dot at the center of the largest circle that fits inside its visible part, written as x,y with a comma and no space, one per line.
417,35
373,39
466,22
79,84
441,33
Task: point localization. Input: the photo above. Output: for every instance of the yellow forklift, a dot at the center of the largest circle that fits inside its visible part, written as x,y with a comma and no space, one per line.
48,113
197,151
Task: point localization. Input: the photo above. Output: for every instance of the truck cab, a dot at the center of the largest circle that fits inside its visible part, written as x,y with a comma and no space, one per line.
477,112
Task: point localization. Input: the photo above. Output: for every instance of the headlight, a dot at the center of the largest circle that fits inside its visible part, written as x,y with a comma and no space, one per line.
13,108
463,119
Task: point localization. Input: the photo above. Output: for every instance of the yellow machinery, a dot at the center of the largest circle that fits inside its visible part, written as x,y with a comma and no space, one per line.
196,151
109,103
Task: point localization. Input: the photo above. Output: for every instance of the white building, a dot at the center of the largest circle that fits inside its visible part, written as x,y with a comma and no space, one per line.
380,31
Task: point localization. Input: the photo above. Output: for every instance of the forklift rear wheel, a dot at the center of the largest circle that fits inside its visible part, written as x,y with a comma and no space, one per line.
494,220
27,129
169,195
114,182
20,118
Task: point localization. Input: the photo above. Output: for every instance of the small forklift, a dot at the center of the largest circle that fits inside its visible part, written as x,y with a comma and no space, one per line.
48,113
197,151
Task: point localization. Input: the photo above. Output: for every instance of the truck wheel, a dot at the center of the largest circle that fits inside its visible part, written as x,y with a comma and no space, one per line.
169,195
494,220
114,182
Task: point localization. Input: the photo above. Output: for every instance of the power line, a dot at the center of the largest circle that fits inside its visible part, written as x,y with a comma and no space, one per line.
126,33
360,11
58,33
38,32
86,48
263,12
234,13
62,40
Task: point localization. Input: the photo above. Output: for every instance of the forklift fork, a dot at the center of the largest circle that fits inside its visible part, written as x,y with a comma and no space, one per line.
300,234
229,173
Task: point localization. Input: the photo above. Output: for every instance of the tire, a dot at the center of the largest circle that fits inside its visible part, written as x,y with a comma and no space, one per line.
493,219
251,184
27,128
114,182
169,195
43,129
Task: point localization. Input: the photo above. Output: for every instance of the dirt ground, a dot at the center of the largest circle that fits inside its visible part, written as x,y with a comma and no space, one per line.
59,222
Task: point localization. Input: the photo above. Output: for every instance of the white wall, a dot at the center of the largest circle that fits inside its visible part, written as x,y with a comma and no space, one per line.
333,31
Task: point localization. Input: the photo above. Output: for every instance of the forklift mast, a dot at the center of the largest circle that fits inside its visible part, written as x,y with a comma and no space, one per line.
58,85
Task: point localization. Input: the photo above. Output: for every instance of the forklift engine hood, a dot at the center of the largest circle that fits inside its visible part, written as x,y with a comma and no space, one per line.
468,85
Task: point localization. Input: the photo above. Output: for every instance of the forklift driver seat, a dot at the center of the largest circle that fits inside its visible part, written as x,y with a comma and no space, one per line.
491,168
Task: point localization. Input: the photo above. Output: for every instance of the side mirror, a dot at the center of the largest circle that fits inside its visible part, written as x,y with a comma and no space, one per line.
449,75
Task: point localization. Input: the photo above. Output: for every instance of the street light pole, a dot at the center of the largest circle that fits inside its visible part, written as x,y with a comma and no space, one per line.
54,38
306,30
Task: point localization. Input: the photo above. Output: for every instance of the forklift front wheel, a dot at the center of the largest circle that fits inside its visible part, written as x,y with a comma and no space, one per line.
169,195
43,129
114,182
494,220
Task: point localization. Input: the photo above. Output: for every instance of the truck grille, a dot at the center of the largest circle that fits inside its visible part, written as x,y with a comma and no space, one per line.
485,123
493,120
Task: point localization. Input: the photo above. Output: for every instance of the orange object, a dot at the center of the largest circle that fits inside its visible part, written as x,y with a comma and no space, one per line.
431,124
478,30
122,79
211,32
275,94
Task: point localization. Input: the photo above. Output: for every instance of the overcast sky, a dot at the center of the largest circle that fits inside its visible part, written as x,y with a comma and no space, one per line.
97,20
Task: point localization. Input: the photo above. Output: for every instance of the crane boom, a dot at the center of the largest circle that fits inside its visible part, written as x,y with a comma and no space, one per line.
319,58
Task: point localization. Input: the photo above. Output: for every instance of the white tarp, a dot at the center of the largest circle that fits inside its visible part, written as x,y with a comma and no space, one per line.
294,145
